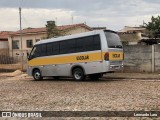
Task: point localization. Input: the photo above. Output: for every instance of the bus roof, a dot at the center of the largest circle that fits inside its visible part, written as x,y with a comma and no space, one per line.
72,36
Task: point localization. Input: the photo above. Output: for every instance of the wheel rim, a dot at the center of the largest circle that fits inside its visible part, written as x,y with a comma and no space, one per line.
37,75
78,75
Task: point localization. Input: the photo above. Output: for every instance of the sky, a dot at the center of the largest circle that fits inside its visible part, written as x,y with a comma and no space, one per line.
113,14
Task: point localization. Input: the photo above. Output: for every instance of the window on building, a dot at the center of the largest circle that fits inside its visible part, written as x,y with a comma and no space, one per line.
29,43
15,44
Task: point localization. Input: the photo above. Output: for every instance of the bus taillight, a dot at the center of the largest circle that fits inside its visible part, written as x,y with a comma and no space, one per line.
106,56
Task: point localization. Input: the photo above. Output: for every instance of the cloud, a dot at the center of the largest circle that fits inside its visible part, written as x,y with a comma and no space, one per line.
32,17
113,14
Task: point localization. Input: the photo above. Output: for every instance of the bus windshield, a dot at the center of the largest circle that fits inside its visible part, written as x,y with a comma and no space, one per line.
35,52
113,40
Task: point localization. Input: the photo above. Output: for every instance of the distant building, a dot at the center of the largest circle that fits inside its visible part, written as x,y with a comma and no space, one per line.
132,35
31,35
128,29
4,39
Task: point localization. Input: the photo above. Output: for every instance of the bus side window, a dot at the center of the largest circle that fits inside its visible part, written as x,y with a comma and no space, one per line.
88,43
67,46
71,46
97,43
49,49
43,50
79,45
55,48
63,47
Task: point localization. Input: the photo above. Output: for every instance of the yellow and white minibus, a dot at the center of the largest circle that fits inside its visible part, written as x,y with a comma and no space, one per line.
89,54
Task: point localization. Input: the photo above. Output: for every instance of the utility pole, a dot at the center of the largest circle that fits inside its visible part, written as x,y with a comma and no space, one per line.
72,19
56,21
21,55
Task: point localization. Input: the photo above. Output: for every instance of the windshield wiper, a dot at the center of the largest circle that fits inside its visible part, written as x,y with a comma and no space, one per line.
112,46
118,46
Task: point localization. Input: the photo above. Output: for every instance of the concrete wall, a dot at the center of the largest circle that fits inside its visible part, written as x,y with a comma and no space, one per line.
157,58
140,58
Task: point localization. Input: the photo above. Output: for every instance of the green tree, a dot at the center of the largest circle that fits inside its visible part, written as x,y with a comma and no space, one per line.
153,27
52,30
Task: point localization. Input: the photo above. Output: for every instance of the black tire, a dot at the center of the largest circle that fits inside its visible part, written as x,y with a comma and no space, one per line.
95,76
78,74
37,75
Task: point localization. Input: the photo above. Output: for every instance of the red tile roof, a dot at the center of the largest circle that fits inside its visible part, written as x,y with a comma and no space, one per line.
64,27
43,30
5,34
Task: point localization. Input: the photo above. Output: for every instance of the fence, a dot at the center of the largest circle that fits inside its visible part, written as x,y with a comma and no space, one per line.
10,62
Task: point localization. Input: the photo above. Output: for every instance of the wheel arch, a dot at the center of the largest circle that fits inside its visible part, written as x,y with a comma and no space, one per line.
34,70
77,66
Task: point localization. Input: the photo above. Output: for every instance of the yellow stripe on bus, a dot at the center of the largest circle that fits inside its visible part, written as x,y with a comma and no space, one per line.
114,55
74,58
66,59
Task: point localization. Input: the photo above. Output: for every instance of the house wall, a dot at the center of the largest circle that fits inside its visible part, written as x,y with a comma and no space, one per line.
3,44
24,39
17,52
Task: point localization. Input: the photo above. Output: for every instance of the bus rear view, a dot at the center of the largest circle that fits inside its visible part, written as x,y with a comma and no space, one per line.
113,54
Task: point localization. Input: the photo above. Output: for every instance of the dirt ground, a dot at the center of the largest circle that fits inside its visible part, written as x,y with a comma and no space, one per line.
114,92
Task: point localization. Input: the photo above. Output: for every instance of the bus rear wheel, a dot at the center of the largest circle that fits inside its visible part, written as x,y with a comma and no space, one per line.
37,75
78,74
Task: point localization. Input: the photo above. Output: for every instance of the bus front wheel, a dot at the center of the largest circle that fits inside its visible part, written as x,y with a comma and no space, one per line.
78,74
37,75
